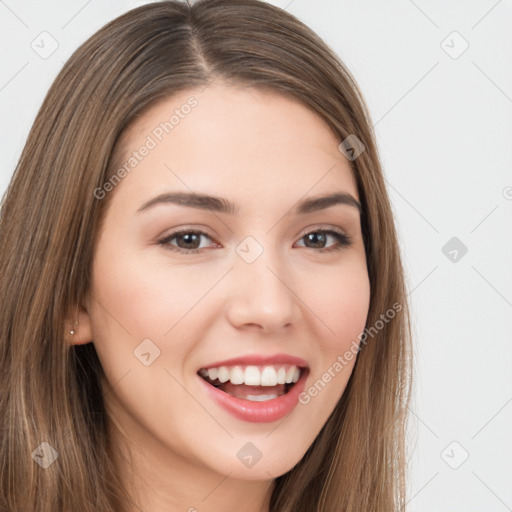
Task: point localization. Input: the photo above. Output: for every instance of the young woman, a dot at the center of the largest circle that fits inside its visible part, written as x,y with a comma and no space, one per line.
203,302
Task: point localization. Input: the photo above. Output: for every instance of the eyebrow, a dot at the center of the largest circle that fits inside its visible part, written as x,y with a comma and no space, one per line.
222,205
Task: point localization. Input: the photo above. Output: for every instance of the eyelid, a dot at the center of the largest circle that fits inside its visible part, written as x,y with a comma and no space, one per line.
181,231
300,234
321,227
343,240
187,229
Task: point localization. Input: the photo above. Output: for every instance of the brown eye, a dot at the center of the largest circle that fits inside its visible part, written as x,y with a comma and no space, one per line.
188,241
318,239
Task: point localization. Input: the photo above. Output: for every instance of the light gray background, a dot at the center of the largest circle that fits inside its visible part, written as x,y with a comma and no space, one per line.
444,130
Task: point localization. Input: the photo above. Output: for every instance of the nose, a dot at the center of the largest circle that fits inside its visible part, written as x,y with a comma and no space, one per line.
262,294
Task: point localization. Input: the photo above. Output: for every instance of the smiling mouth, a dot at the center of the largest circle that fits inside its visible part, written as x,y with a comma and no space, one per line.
253,383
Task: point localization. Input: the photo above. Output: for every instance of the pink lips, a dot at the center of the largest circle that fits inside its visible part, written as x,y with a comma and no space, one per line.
259,412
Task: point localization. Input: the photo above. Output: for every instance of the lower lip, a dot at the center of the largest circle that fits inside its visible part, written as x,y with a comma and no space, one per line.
259,412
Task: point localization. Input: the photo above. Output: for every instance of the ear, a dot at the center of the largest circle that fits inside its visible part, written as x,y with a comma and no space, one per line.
79,321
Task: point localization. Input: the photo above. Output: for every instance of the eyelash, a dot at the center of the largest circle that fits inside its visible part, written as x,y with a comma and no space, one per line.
342,240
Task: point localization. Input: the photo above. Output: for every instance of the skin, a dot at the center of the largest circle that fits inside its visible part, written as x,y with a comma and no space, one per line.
264,152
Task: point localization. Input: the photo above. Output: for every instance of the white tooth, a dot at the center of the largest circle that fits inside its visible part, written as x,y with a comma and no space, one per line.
289,374
236,375
223,374
268,376
260,398
203,372
252,376
296,375
212,373
281,375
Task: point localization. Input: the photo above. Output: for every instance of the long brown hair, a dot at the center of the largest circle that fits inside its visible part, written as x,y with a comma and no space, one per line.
50,217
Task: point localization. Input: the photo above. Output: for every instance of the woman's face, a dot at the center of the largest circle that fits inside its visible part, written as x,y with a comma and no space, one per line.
259,281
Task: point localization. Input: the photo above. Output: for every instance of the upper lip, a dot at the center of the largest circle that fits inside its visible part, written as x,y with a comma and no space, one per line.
259,360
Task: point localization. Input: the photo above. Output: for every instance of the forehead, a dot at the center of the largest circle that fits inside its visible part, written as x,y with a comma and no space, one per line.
254,142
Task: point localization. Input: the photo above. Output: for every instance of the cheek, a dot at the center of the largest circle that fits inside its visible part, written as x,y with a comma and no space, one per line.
340,298
135,302
140,299
143,297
